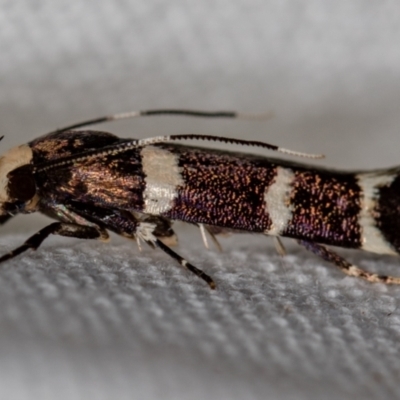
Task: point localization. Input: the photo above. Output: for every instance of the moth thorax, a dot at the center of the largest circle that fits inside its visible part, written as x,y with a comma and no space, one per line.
17,184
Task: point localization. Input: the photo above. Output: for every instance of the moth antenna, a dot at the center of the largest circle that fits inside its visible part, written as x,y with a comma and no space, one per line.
253,143
1,138
131,144
183,112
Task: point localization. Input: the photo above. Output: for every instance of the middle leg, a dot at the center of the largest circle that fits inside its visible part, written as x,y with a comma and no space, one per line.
148,229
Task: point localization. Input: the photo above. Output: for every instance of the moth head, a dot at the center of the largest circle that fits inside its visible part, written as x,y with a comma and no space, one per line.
17,183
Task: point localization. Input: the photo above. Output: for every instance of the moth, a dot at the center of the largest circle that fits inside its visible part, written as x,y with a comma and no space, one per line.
92,182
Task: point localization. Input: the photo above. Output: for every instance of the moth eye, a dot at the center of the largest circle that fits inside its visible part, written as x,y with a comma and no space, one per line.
21,184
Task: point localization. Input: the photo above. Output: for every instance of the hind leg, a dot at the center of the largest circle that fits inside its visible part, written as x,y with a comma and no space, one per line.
345,266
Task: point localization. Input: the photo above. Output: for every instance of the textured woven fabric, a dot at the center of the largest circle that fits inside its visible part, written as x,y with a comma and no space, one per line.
100,321
86,320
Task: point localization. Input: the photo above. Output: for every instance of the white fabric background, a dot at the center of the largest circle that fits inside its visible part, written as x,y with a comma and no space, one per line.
82,320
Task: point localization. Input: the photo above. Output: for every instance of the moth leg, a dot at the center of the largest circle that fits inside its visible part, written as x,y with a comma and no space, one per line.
185,263
345,266
57,228
139,227
204,236
139,245
162,230
203,230
145,232
279,247
5,218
